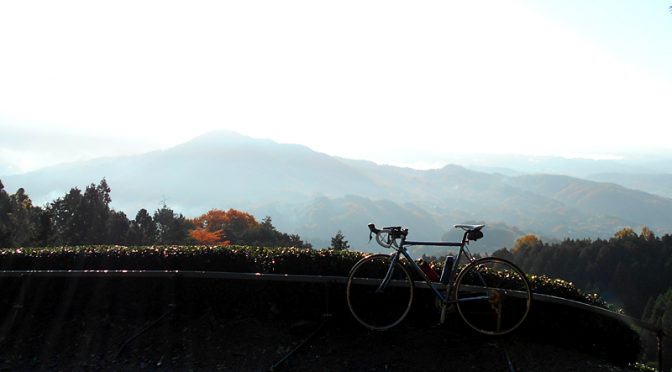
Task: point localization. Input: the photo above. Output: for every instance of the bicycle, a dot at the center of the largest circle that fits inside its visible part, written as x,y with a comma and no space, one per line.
492,295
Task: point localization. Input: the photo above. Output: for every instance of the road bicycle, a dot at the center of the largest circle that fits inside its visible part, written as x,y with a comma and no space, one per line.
492,295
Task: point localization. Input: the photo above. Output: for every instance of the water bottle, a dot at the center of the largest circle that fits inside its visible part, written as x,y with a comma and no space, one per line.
447,268
428,270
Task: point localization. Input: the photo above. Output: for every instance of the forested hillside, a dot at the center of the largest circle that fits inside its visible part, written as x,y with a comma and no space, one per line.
630,269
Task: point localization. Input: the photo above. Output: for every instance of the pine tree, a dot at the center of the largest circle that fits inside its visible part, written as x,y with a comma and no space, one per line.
338,242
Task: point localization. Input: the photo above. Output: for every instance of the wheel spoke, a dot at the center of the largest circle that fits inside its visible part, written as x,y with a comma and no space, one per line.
379,296
484,288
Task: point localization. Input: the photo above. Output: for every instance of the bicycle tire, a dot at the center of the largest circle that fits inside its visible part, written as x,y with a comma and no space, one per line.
384,309
493,296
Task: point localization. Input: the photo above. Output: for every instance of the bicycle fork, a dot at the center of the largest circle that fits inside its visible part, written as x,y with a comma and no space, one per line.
388,276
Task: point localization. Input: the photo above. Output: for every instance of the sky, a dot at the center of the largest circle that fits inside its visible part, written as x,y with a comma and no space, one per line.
396,82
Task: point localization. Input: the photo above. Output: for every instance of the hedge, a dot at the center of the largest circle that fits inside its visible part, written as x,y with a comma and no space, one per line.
569,327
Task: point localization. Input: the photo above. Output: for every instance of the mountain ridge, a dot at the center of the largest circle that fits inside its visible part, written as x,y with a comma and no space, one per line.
315,195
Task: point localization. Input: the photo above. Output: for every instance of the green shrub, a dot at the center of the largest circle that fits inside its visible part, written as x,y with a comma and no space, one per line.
226,258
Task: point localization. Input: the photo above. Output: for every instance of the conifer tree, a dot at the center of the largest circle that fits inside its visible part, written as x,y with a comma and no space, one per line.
338,242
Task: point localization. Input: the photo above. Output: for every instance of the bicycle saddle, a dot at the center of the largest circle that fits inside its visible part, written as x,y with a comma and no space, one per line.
473,231
468,227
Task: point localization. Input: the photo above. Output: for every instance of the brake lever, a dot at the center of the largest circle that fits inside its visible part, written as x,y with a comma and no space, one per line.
372,228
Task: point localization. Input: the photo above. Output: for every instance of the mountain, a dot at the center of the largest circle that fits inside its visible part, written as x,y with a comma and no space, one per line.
315,195
508,164
602,199
216,170
654,183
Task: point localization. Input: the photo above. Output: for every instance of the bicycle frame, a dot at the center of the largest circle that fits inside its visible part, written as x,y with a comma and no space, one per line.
401,249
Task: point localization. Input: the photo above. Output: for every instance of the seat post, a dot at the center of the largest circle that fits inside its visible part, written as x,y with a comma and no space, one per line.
464,237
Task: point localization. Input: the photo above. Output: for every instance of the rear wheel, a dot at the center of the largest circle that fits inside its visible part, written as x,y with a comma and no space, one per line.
493,296
375,304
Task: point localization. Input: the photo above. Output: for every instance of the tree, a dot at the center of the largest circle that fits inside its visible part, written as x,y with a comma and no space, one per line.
625,233
20,219
118,228
95,211
171,228
239,226
203,236
267,235
42,222
66,221
143,229
5,211
230,227
661,315
338,242
647,234
80,218
209,228
529,241
295,241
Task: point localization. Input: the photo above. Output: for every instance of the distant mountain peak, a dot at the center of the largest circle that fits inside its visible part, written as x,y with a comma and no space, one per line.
223,137
453,167
226,138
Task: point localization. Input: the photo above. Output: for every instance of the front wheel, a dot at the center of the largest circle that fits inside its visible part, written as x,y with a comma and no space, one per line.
493,296
375,302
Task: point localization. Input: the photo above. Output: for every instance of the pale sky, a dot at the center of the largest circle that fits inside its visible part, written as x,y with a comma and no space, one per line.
396,82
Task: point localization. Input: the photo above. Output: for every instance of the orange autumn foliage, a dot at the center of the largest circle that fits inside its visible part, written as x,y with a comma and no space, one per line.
219,227
203,236
526,241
